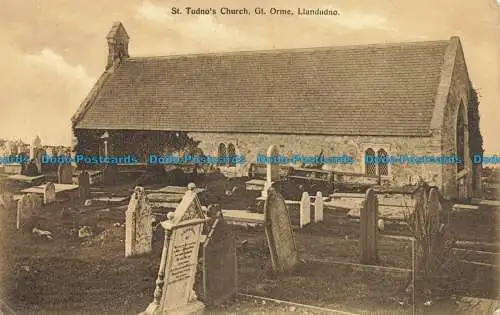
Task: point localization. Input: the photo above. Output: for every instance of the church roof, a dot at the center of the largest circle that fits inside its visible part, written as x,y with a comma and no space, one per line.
381,89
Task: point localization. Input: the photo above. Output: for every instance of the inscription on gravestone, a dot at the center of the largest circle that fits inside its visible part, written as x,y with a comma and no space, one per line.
174,292
279,233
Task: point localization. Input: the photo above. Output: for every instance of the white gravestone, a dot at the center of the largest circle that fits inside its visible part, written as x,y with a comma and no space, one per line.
318,207
305,209
174,292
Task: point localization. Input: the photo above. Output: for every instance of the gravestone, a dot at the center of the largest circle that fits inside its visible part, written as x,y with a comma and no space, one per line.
138,224
174,293
369,230
27,208
272,168
305,209
434,208
318,207
83,186
38,159
219,280
49,193
279,233
65,174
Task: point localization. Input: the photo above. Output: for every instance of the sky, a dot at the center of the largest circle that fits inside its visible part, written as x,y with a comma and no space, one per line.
54,50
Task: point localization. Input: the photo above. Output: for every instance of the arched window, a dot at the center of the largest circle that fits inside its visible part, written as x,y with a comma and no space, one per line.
222,154
231,154
383,167
370,166
460,136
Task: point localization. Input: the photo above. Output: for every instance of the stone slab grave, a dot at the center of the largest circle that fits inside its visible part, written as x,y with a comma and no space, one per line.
305,209
12,168
27,208
31,180
279,233
219,276
369,228
65,174
138,224
49,193
318,207
174,292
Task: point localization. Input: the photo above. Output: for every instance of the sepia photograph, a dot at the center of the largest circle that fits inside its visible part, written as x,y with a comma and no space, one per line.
255,157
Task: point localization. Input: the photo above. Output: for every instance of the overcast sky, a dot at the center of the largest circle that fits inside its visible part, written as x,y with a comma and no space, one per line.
54,50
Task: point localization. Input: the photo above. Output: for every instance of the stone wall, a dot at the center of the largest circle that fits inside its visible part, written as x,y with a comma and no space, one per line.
250,145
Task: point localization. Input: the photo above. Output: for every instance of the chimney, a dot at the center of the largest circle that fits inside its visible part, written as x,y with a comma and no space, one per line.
117,44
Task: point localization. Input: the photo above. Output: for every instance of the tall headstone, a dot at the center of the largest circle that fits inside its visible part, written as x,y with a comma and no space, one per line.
138,224
65,174
318,207
49,193
434,208
305,209
27,207
273,168
219,280
174,293
279,233
369,230
83,186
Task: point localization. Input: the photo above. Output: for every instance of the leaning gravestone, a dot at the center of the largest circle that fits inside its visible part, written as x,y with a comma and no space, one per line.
305,210
138,224
219,271
65,174
49,193
27,207
369,231
318,207
83,186
279,233
174,292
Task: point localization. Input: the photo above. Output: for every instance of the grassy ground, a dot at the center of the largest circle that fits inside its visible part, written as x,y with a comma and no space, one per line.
71,275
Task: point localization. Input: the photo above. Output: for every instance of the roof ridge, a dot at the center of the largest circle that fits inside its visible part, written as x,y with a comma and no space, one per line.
302,49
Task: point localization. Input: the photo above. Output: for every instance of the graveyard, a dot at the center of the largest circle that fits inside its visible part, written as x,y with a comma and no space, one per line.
123,242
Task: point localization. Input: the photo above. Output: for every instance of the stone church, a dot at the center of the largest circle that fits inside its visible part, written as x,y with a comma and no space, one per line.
380,100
